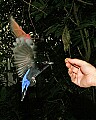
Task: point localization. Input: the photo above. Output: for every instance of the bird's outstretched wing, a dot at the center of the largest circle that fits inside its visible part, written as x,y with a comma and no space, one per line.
23,50
16,29
24,56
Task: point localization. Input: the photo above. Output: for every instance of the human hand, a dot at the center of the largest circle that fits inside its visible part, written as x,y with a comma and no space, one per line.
82,73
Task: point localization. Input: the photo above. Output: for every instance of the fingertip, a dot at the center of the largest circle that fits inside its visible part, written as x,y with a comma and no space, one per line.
68,65
75,61
66,60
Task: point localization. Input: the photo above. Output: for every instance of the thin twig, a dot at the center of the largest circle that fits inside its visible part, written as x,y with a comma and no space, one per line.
85,2
81,33
88,44
35,7
79,51
70,16
31,19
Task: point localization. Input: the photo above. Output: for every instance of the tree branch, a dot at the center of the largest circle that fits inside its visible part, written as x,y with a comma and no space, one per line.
85,2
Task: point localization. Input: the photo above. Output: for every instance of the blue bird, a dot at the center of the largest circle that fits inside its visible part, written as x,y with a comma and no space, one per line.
25,55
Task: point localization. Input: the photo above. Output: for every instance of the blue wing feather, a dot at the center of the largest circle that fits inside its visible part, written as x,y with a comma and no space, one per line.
25,81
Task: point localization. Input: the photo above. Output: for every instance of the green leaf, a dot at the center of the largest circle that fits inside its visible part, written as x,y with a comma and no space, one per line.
42,2
50,30
66,38
38,16
3,94
37,4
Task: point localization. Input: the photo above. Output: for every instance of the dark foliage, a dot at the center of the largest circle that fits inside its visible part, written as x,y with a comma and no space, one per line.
54,97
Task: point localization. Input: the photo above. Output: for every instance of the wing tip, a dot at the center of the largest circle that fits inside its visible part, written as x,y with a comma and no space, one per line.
11,20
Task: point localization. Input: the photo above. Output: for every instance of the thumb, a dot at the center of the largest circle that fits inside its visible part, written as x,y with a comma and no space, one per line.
77,62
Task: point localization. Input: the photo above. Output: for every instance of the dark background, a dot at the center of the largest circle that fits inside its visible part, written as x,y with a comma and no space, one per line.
54,97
